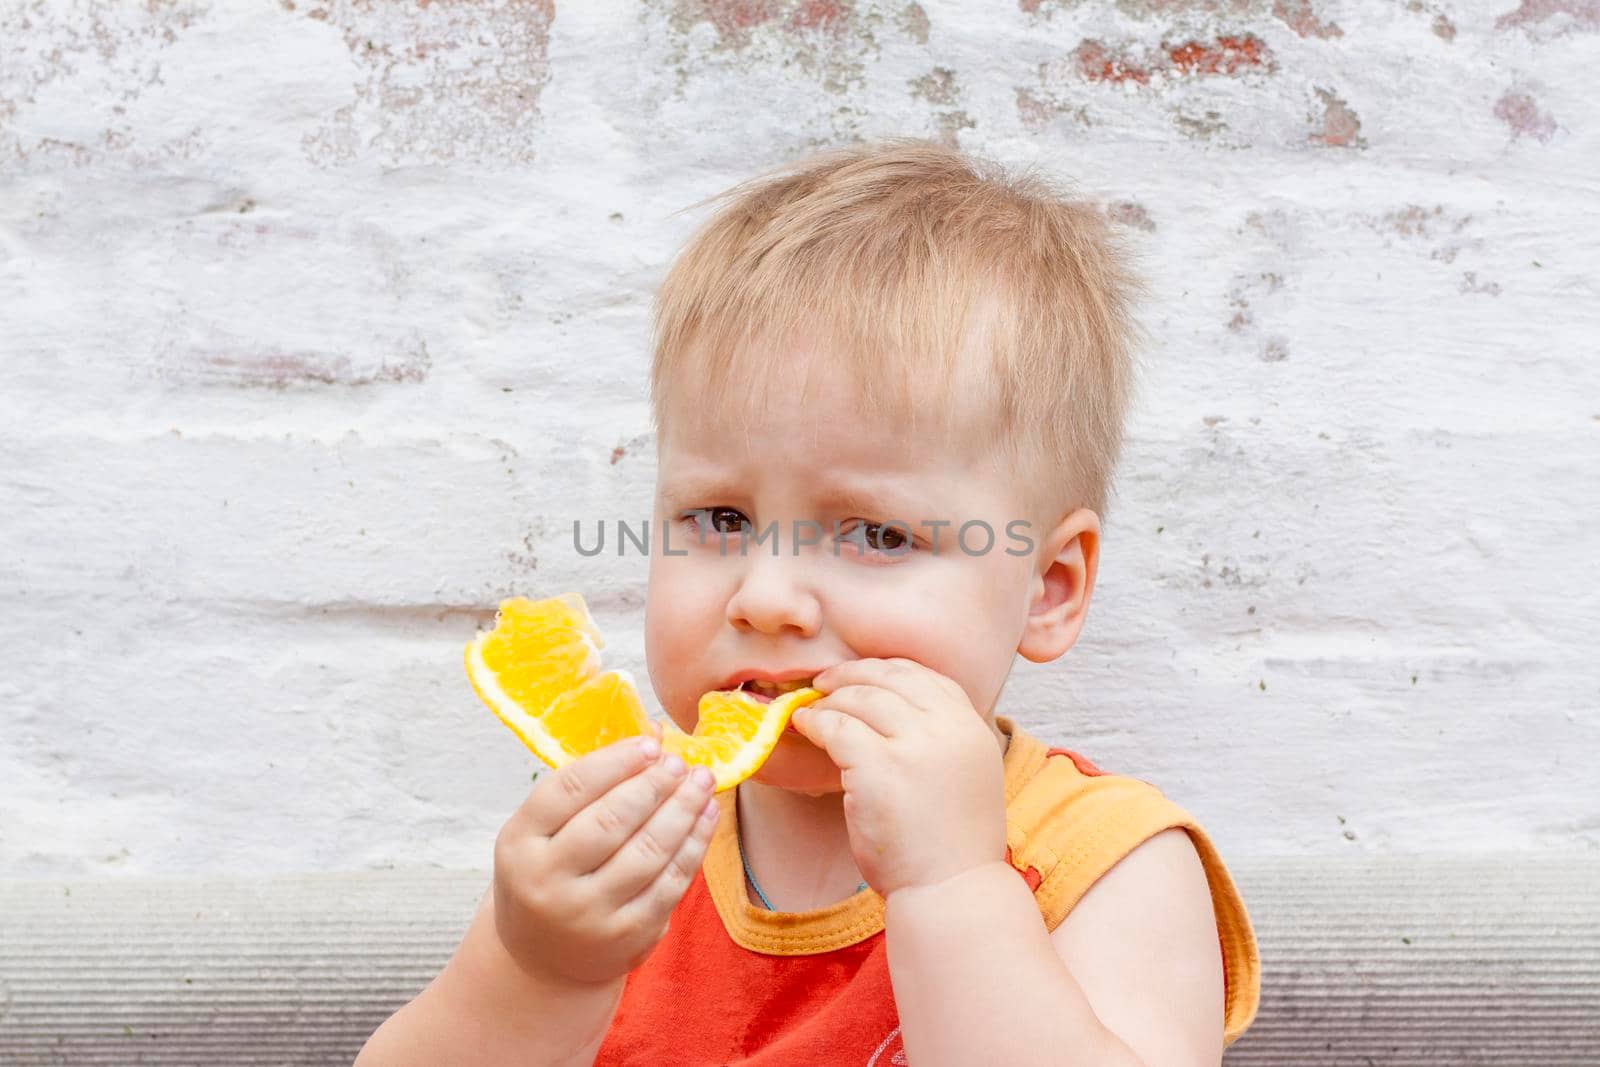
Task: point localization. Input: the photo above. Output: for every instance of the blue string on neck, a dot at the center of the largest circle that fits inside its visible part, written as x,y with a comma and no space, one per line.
739,838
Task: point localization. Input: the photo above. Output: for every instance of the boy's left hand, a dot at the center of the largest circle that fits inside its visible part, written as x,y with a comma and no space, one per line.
923,777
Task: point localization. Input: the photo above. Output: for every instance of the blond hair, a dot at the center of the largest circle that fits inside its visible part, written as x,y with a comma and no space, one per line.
987,307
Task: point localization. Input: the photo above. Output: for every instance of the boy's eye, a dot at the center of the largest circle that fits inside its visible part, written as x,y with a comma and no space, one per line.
730,515
890,539
878,536
718,518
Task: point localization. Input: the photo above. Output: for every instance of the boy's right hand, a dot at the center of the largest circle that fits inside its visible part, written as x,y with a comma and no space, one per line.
589,867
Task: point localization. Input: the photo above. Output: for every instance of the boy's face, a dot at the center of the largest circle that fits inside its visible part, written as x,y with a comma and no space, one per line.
714,612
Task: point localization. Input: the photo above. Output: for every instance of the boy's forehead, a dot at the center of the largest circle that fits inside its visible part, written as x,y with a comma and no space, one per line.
829,420
805,390
798,409
827,451
868,468
764,381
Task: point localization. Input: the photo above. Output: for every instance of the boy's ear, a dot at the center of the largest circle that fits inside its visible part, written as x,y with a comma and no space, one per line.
1058,598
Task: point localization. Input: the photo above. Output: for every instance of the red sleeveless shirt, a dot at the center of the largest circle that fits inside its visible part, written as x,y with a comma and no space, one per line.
733,983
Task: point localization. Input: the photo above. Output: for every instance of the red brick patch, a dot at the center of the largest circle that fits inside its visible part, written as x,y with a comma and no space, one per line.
1227,55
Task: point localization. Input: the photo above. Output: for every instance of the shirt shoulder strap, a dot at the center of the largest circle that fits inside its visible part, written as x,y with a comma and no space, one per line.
1073,822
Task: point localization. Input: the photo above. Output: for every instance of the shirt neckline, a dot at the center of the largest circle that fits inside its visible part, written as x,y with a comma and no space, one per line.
844,922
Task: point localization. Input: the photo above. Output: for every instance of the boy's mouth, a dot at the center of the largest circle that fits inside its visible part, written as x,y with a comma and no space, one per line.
766,691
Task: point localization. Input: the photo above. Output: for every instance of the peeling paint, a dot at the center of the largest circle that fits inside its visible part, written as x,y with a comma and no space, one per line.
1441,26
813,14
631,446
1273,348
829,39
1202,128
1568,15
438,82
1097,63
1035,110
1301,17
1520,111
527,558
1156,9
1337,126
121,46
914,22
1416,221
1276,225
938,86
271,367
1227,55
1130,213
950,124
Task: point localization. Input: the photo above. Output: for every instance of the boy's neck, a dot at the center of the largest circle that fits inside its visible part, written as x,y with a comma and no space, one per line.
797,846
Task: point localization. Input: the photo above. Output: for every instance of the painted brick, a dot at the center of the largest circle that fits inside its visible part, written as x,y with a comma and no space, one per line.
311,350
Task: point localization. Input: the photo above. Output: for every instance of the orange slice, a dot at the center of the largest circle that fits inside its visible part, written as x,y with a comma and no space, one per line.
734,732
539,671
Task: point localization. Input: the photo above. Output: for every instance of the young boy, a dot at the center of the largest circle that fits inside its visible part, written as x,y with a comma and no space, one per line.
889,388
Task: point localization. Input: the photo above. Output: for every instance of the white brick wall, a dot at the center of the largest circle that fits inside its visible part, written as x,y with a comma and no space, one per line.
321,323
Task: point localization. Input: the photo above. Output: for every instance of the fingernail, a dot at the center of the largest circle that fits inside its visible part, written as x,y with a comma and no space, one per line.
650,748
704,778
674,765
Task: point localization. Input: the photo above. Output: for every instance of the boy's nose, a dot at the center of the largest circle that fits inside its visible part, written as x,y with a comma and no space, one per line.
773,595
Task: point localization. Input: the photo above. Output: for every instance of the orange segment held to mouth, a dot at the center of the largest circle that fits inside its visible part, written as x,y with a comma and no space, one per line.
539,671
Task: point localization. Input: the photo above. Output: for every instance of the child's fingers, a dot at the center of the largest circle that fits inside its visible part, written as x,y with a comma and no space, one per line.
650,909
556,797
847,740
641,860
594,834
882,709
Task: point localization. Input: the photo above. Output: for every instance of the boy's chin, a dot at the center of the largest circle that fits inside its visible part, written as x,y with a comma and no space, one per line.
798,766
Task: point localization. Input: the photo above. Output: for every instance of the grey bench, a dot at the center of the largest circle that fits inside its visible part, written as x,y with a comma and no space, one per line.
1391,960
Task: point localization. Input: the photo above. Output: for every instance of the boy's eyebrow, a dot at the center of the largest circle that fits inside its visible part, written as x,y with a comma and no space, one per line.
840,495
684,492
866,498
